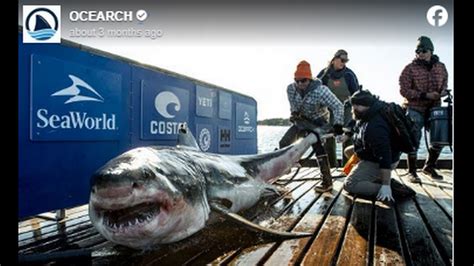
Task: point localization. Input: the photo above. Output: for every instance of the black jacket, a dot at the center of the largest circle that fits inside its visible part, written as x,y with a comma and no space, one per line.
373,139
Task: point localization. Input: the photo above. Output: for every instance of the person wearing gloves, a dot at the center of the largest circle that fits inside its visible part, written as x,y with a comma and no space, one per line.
309,100
422,83
371,176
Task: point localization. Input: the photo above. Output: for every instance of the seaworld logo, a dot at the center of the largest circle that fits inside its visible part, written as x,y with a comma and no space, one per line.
78,95
42,24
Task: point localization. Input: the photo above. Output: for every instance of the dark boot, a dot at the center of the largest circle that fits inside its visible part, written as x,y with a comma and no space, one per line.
413,177
326,185
430,165
330,147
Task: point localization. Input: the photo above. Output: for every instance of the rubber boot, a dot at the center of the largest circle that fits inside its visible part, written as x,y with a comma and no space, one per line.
325,169
413,177
330,148
430,164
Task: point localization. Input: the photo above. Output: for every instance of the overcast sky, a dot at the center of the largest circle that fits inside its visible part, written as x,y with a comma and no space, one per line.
254,48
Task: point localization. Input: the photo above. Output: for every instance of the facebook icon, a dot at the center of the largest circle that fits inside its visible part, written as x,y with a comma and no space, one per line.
437,16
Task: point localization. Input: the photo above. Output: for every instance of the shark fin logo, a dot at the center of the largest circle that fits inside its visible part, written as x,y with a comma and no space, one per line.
164,100
78,92
42,24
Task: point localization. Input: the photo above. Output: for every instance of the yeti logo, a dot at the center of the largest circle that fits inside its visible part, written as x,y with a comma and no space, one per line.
163,100
77,94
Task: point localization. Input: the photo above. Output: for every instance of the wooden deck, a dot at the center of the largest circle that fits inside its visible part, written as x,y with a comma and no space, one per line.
346,231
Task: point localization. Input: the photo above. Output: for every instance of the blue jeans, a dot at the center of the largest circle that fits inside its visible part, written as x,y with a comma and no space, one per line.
421,122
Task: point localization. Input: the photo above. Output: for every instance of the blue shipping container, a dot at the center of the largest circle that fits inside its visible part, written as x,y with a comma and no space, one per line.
79,107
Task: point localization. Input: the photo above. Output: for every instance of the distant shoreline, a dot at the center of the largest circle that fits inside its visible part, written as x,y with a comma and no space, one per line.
274,122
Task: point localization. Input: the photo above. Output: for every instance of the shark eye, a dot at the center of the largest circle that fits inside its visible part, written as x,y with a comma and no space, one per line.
147,174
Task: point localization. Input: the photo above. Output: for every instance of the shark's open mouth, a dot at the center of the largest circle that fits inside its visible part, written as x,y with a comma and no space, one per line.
137,215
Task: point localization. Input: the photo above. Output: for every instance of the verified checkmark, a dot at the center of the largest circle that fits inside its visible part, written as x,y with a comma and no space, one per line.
141,15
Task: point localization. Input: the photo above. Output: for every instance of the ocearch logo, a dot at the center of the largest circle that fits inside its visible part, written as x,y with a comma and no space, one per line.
77,95
164,100
42,24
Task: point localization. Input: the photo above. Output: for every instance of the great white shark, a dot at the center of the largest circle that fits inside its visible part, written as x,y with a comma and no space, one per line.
157,195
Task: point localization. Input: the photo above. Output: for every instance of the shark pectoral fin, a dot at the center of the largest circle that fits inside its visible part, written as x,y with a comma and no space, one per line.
253,226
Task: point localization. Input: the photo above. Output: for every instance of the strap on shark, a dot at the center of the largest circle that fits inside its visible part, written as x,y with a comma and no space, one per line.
223,210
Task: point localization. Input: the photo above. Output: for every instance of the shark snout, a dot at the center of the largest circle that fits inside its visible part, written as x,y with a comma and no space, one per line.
116,191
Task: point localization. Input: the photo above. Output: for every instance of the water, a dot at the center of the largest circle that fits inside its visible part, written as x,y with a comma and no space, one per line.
269,136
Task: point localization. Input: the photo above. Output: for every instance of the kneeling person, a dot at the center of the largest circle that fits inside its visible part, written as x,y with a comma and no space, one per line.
378,154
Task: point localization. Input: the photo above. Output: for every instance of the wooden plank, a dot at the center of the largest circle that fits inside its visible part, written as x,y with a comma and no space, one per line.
35,222
442,198
276,206
289,251
355,246
303,174
388,248
443,186
254,255
49,230
207,246
53,232
292,174
438,222
446,186
444,182
420,247
67,238
279,207
323,249
447,174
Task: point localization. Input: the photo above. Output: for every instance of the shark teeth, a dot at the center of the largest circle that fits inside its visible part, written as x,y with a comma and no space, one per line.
132,216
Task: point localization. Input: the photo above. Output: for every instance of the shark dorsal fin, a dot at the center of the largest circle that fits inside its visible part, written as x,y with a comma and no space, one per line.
186,138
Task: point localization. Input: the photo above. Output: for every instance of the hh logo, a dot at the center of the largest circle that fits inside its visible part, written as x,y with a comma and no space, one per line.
164,100
42,24
225,135
77,94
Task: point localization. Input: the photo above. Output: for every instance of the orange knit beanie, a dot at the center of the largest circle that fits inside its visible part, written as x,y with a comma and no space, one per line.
303,70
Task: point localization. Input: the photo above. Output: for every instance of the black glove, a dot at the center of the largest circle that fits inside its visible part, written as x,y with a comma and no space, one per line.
337,129
294,116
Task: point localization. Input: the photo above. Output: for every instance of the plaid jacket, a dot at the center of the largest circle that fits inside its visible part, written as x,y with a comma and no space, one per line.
316,102
416,79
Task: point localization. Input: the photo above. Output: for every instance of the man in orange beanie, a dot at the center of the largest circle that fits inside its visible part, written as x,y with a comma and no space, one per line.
309,100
